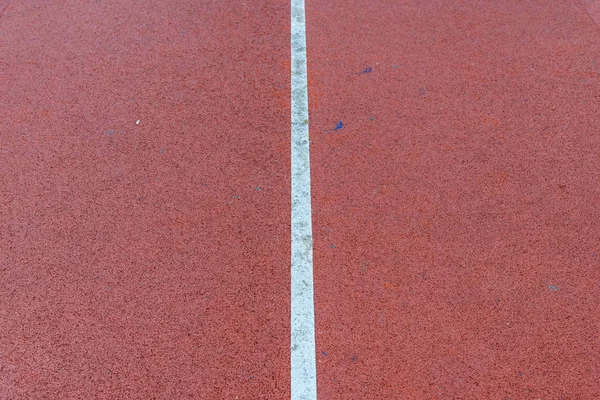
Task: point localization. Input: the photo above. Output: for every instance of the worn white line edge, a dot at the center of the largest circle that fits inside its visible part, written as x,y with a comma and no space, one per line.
303,354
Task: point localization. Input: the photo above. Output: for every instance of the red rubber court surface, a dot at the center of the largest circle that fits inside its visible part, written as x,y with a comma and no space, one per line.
456,212
145,199
144,260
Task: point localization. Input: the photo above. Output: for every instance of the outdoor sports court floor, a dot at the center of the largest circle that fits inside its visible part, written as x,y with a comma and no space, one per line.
146,199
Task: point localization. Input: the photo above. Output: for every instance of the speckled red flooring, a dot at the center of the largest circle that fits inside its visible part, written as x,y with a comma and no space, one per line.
144,260
456,215
144,199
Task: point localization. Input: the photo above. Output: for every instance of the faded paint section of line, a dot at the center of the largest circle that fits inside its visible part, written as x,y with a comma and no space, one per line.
303,357
593,9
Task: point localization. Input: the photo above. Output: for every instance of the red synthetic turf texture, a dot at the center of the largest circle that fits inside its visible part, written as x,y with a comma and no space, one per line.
456,212
152,260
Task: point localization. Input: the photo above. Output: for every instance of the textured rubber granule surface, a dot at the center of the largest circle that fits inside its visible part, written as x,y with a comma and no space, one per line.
144,203
456,206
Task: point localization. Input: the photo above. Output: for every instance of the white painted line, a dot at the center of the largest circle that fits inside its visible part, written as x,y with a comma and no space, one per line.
303,353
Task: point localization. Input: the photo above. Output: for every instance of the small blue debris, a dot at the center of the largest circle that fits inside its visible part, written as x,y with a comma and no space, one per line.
339,126
258,188
332,246
353,358
554,288
422,91
371,118
520,374
367,70
324,354
394,66
110,131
